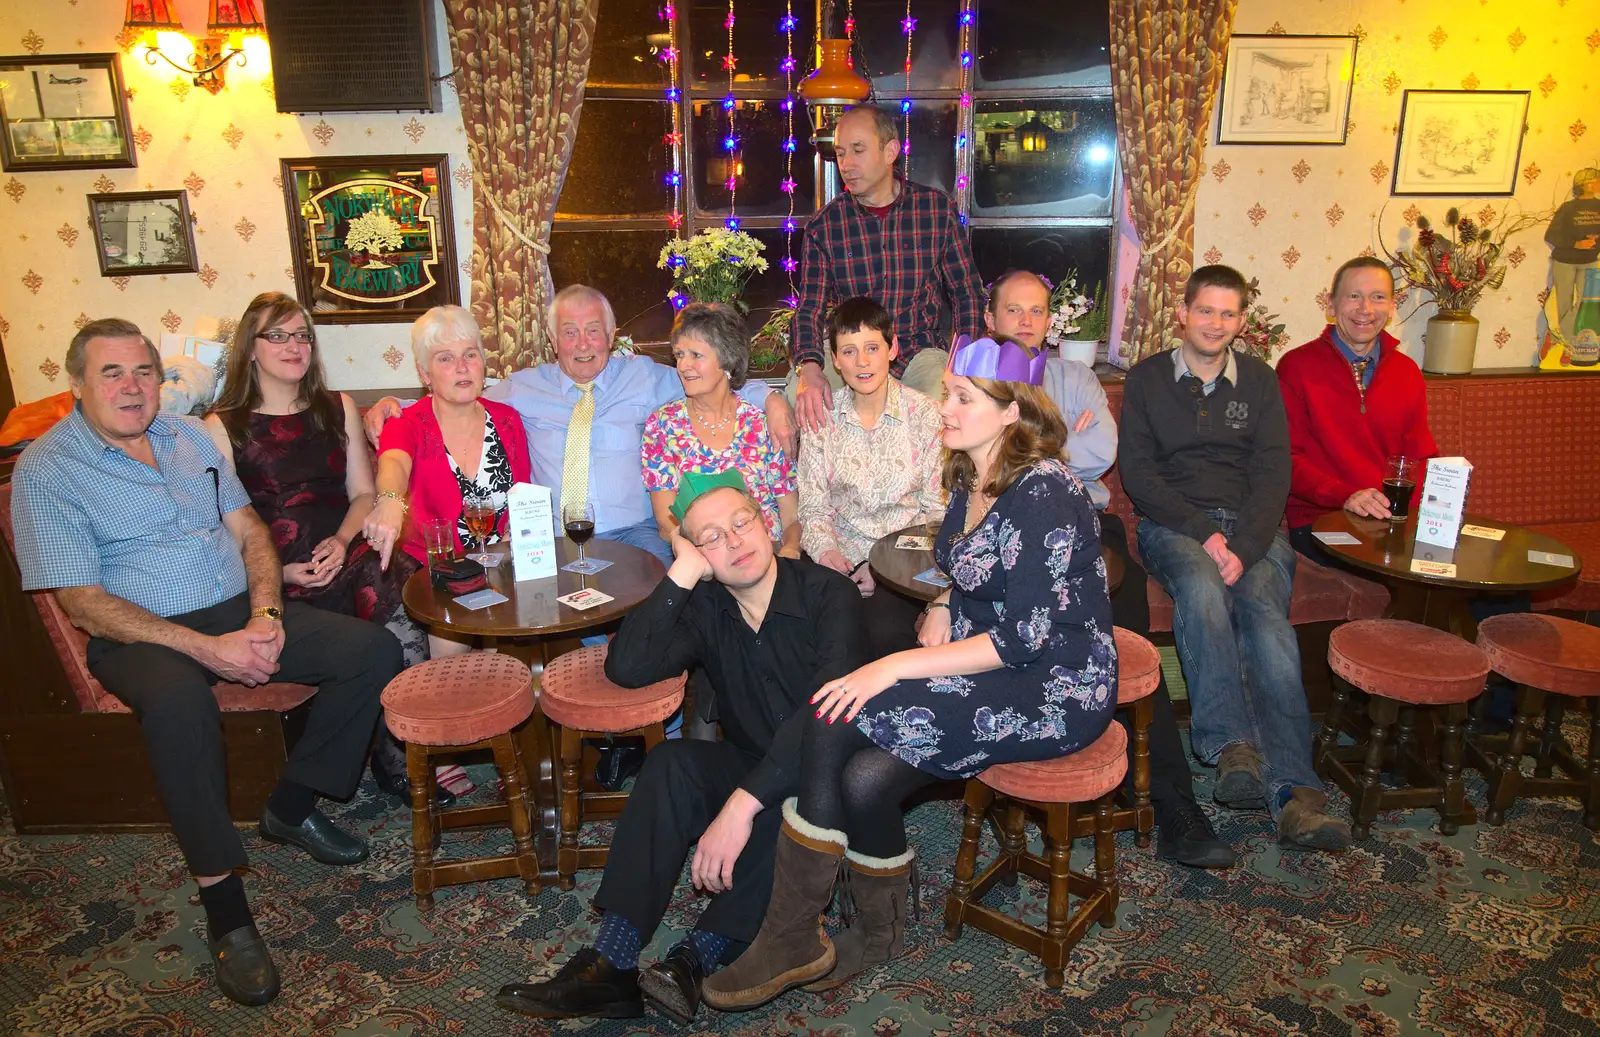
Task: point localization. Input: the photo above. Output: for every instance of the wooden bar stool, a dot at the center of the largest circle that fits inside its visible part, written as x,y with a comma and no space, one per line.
455,705
575,693
1402,667
1554,662
1057,788
1138,675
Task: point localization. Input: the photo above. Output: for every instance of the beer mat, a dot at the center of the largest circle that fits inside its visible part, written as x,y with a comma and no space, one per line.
584,599
1433,568
1486,532
587,567
1546,558
914,543
1332,539
933,576
480,599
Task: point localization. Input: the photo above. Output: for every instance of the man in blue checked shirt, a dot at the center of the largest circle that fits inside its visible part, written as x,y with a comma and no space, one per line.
149,542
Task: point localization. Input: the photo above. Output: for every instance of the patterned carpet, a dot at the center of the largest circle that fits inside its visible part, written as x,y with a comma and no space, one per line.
1495,931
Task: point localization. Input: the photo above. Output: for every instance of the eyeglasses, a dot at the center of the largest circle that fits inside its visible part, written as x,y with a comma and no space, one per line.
278,338
742,525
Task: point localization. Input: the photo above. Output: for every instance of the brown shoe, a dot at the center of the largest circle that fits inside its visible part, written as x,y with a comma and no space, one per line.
1305,824
791,949
878,887
1239,778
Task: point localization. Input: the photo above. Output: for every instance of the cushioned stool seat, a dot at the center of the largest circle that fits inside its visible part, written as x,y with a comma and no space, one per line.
1138,674
1055,788
1401,666
453,705
1555,663
575,693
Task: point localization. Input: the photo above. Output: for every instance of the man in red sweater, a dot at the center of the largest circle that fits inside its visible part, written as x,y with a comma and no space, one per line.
1353,401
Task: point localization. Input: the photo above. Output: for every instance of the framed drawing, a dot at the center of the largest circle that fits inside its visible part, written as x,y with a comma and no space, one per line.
143,232
1287,90
63,112
1460,141
372,236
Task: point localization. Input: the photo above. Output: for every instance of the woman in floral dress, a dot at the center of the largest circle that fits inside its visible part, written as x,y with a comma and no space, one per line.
1018,663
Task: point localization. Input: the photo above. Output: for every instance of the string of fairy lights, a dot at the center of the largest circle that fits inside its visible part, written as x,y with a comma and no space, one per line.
790,264
730,143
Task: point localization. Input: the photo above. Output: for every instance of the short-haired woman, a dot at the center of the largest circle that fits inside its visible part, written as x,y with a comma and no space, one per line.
712,430
1019,663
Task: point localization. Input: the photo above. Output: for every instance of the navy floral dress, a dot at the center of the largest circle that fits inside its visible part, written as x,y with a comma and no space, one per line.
1030,577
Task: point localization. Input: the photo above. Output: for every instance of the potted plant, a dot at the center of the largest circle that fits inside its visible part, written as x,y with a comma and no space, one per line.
1261,336
1077,321
712,266
769,347
1454,268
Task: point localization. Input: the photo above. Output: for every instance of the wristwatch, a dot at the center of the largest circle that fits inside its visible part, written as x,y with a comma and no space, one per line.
267,612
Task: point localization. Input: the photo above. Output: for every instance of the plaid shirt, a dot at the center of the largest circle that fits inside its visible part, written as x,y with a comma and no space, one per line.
911,261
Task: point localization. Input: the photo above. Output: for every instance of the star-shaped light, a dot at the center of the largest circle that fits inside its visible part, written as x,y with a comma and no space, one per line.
731,183
908,25
790,264
730,62
787,185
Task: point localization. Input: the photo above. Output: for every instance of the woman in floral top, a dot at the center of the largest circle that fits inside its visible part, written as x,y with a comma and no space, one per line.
1019,663
712,430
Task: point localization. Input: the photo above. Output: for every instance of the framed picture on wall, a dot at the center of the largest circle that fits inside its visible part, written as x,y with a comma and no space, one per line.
372,236
1460,142
1286,90
143,232
63,112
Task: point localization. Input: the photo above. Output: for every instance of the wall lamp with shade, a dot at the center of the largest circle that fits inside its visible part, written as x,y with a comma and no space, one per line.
228,23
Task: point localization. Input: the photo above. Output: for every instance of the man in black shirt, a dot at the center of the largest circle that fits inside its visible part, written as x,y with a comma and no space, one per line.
1205,460
769,631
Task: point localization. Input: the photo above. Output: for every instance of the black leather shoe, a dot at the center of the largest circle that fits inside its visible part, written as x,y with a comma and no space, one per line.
1184,834
397,786
317,836
244,967
587,985
618,762
673,984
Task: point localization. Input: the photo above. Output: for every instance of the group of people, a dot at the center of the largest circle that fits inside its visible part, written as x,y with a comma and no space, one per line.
269,544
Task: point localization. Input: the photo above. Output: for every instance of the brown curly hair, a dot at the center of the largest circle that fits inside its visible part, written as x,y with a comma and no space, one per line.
1038,434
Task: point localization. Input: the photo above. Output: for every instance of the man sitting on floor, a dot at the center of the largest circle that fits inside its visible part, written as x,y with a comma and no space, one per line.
770,631
1205,459
149,542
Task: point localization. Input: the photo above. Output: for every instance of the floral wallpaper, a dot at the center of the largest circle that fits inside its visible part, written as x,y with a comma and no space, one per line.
1290,214
224,150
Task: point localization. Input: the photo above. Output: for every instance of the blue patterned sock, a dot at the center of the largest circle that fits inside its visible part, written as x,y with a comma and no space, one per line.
618,942
708,946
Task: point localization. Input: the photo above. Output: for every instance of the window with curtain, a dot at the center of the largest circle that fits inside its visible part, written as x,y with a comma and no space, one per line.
1038,180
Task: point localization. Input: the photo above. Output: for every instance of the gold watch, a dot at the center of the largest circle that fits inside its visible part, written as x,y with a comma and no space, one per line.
267,612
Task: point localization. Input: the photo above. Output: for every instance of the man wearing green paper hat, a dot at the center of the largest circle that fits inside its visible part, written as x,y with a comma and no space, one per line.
769,632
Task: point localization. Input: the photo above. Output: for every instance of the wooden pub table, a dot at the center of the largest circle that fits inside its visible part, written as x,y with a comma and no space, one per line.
533,626
897,567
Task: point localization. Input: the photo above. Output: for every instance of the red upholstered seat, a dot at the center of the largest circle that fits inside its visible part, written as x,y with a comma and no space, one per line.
1545,652
1583,594
1406,661
1138,666
459,700
1321,595
1083,777
575,693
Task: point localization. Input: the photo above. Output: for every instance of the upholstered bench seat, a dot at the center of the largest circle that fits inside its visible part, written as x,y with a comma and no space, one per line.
1582,595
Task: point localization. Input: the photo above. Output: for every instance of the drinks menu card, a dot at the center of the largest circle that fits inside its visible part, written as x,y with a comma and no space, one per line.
533,532
1444,498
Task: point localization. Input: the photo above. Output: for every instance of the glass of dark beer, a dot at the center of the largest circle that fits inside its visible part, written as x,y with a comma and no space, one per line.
1399,483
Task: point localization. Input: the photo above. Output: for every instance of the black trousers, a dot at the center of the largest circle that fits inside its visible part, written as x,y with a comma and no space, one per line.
1170,779
679,792
349,660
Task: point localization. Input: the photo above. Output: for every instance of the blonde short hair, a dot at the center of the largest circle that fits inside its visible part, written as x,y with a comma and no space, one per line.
442,326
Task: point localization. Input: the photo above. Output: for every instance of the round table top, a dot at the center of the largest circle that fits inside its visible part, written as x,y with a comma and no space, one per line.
532,608
1480,563
896,567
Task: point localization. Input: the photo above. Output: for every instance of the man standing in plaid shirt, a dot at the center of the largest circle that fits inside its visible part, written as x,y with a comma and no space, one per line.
899,242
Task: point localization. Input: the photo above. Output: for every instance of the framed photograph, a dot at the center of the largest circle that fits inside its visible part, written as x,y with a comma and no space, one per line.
372,236
1460,142
1287,90
63,112
143,232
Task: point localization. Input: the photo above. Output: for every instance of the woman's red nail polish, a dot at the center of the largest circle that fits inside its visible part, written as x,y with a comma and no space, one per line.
819,714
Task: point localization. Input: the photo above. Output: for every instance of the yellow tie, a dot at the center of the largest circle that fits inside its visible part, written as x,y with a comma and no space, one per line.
575,463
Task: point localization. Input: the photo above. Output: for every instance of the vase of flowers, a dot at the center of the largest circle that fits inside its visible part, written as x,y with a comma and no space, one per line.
1077,321
712,266
1262,334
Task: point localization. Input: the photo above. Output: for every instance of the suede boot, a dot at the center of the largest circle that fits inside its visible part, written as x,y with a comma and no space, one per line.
791,949
878,888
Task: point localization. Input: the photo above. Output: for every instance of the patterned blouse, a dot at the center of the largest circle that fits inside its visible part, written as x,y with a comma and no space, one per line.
670,447
857,485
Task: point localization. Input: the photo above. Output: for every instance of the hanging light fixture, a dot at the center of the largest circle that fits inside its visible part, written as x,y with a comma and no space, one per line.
229,22
828,91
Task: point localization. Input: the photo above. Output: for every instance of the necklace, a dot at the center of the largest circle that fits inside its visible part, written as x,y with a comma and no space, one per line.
978,504
707,423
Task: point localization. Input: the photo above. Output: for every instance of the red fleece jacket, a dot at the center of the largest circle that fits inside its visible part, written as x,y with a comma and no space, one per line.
1335,449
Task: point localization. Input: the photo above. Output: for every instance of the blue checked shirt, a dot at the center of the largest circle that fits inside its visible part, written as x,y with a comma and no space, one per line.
86,514
626,391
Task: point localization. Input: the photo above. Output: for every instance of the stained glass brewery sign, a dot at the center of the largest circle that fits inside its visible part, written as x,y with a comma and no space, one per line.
374,238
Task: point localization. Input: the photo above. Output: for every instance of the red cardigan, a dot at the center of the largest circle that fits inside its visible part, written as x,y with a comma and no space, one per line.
1335,449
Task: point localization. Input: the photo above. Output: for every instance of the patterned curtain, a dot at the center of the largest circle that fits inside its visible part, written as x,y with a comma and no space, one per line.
520,71
1166,63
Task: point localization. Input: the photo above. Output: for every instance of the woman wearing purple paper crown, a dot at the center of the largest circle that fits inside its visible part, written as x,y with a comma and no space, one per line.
1018,663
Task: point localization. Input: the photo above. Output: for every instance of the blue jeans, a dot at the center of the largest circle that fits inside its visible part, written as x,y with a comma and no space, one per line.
643,535
1239,653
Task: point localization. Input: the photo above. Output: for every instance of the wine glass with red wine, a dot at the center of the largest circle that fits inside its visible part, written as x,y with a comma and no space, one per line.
578,521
